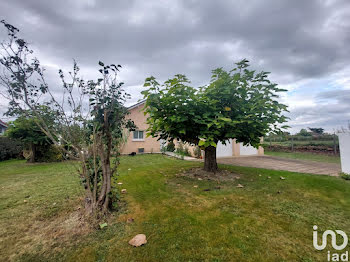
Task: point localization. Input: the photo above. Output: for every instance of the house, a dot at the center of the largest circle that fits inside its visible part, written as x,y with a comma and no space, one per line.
137,141
3,127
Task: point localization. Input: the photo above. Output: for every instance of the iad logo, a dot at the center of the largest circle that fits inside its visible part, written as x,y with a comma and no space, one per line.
330,256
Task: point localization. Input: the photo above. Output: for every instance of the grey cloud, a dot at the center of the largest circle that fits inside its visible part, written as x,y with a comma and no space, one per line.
286,35
295,40
332,111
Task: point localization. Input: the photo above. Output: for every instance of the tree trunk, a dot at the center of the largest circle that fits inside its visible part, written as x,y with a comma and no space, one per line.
32,156
210,164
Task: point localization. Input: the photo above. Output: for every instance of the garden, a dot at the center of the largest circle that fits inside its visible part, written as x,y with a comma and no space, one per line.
184,218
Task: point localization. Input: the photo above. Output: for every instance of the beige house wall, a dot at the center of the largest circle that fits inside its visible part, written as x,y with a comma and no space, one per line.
235,148
261,149
150,144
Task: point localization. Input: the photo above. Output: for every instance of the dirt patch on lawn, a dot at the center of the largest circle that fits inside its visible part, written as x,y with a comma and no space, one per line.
47,237
200,174
50,236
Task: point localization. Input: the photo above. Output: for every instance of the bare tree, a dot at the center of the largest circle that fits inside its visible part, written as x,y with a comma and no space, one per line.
89,115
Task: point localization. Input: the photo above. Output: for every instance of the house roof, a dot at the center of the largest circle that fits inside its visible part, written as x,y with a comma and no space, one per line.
137,104
2,123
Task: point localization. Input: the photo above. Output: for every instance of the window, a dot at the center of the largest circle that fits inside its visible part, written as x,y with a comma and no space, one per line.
138,136
141,150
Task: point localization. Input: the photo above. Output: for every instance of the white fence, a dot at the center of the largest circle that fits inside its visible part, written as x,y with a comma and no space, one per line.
344,147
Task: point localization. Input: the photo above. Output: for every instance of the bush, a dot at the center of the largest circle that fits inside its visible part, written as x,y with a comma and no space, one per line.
163,149
345,176
197,152
10,148
183,151
48,154
170,146
187,151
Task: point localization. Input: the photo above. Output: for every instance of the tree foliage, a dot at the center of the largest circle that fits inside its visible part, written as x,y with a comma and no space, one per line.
316,130
9,148
239,103
304,132
89,116
27,131
32,137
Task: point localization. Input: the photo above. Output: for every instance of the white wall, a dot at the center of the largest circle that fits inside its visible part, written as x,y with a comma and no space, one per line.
162,143
224,150
344,146
247,150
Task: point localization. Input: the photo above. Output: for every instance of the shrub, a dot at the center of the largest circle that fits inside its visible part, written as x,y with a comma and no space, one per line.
170,146
183,150
10,148
187,151
345,176
48,154
197,152
163,149
180,149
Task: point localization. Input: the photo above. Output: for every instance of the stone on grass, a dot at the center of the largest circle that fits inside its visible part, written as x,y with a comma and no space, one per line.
138,240
282,178
199,179
240,186
268,177
123,191
120,183
195,186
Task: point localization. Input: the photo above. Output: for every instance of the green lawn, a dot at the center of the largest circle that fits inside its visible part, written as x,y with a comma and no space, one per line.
305,156
267,220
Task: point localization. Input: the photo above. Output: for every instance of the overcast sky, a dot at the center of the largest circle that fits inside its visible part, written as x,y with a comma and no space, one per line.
305,44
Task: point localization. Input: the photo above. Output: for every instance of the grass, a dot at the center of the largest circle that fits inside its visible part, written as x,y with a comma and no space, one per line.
268,220
305,156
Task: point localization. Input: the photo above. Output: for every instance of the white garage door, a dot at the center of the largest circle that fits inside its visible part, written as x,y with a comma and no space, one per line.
224,150
247,150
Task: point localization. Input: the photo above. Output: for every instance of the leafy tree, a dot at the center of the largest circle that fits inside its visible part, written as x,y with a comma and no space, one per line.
317,131
239,103
28,132
89,116
304,132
